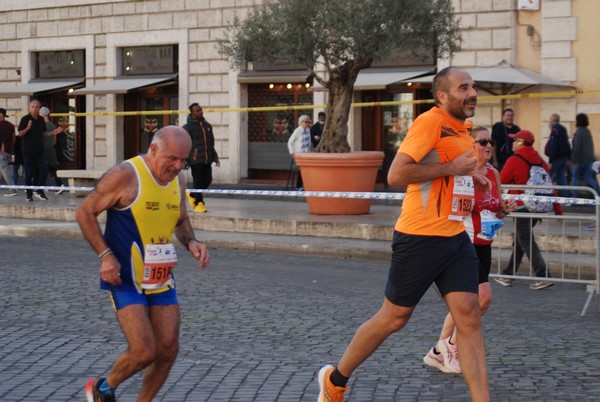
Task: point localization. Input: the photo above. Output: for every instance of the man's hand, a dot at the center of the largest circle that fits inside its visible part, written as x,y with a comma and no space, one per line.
200,252
482,183
464,164
110,270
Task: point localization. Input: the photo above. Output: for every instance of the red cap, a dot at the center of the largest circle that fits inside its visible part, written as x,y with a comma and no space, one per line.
525,135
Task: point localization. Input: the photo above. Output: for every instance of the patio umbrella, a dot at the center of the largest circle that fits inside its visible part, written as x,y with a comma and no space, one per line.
504,79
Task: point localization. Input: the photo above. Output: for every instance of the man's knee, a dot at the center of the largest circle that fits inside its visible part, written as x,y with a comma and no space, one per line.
168,352
392,317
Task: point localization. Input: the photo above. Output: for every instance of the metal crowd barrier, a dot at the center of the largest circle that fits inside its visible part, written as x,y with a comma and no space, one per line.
569,243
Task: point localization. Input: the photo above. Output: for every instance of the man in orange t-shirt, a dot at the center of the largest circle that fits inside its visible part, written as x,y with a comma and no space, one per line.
436,161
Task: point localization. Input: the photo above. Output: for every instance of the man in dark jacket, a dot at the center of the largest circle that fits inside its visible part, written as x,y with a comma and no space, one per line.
202,155
558,150
516,171
501,132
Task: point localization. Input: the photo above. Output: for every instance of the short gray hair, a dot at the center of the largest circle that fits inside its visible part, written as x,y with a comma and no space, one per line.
302,118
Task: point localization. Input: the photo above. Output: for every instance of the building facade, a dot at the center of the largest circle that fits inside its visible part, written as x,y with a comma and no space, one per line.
119,61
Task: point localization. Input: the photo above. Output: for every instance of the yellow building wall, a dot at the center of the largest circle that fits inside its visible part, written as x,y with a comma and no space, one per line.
585,48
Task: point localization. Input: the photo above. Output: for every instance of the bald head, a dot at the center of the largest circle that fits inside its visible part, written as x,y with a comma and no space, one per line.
168,153
169,134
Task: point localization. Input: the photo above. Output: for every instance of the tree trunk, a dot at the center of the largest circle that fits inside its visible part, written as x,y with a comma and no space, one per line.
335,135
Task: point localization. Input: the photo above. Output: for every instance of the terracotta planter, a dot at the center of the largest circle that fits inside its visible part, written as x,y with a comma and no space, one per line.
352,171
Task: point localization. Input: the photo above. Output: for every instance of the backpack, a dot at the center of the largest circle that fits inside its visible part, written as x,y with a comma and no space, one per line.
538,177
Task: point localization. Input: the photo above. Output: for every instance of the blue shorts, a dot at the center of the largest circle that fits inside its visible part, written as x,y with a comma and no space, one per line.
124,298
419,261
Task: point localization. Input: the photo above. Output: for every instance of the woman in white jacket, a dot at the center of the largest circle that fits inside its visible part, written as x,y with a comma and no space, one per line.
300,141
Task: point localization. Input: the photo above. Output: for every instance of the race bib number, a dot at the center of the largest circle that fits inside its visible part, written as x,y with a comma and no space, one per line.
159,261
463,196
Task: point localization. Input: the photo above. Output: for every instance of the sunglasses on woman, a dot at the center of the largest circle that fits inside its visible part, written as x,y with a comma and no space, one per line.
484,143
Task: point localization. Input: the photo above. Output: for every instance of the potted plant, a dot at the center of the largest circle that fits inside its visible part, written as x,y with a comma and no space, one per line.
335,40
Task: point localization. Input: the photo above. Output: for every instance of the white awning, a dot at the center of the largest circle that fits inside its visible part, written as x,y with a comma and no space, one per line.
123,85
380,78
36,86
272,77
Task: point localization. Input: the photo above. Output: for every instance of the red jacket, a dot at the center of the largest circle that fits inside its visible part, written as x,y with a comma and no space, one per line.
516,171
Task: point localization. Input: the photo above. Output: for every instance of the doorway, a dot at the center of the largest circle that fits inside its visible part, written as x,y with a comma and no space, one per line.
139,130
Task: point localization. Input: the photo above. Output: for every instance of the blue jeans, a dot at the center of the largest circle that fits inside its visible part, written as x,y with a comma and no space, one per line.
588,176
558,171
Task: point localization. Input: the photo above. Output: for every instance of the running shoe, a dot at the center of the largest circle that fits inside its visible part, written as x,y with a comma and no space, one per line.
61,189
450,354
10,193
436,361
41,196
540,285
93,395
29,198
503,281
329,392
200,208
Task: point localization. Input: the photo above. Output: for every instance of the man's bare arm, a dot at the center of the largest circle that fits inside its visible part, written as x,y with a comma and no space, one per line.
405,170
115,189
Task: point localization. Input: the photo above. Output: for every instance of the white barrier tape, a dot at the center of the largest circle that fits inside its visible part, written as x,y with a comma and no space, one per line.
326,194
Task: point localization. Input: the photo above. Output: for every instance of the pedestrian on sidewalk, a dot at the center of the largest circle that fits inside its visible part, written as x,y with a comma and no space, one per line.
49,149
517,171
558,151
32,130
482,226
7,140
202,155
145,202
437,164
583,156
300,141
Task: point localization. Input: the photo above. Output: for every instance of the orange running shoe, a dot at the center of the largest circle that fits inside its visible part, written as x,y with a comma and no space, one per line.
329,392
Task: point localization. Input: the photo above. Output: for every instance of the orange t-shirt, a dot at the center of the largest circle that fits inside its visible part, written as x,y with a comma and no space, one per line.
434,137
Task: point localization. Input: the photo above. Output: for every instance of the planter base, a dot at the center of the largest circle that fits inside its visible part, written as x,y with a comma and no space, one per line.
351,172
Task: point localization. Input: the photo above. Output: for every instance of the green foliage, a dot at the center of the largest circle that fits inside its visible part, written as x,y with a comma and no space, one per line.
334,32
335,39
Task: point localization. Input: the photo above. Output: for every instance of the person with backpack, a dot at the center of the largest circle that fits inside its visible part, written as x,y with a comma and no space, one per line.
526,166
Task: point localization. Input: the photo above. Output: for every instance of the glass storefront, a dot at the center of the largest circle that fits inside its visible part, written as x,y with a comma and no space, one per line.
268,132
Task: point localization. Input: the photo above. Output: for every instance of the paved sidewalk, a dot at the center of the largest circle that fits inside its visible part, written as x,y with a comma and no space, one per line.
257,327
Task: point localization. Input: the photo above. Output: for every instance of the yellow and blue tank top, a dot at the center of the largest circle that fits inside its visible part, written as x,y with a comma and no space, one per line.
150,219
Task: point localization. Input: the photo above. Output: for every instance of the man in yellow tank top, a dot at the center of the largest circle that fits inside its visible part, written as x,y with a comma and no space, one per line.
436,161
145,202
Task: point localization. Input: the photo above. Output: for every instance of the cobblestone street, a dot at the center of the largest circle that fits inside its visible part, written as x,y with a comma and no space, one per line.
257,327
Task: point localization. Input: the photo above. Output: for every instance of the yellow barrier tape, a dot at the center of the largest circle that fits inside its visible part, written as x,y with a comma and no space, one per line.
309,107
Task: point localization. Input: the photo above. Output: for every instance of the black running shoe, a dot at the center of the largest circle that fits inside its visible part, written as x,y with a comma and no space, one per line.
93,395
41,196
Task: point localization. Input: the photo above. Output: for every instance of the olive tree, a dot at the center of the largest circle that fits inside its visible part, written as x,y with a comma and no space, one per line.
335,39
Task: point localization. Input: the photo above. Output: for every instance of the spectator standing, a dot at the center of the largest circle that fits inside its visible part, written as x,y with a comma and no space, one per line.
501,134
300,141
49,149
32,130
430,244
516,171
481,226
7,140
316,131
558,150
202,155
583,156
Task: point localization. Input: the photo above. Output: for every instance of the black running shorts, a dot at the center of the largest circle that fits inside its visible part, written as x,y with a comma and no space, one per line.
419,261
